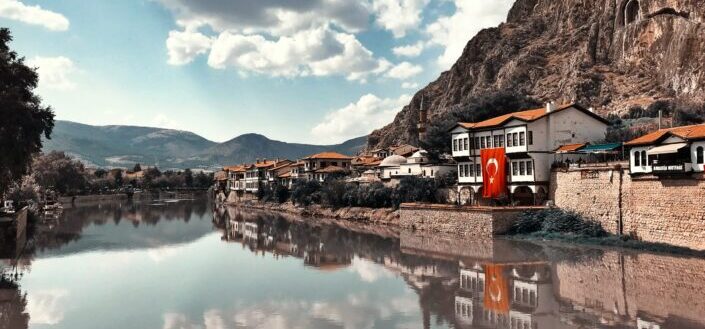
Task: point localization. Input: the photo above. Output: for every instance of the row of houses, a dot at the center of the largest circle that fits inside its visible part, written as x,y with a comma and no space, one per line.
532,143
387,165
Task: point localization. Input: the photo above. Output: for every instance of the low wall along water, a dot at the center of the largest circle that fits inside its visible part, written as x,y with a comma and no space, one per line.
666,210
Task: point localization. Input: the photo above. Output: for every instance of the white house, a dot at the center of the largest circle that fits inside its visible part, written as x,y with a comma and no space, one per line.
315,166
418,164
528,138
669,151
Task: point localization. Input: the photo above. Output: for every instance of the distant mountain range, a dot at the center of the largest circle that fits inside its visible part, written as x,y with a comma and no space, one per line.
123,146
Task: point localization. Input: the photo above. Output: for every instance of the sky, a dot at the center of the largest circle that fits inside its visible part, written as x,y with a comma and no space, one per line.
309,71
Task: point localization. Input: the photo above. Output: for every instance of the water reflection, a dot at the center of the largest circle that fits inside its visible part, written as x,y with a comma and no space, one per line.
187,265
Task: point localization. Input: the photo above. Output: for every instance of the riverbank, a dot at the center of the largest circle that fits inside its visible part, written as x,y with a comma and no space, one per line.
381,216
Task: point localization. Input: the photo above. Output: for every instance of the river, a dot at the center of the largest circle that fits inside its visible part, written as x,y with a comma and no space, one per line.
188,264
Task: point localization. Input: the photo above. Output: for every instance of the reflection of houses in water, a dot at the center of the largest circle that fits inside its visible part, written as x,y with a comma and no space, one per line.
319,257
517,296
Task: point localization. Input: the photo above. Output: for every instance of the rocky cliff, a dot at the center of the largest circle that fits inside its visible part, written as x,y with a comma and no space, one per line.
606,54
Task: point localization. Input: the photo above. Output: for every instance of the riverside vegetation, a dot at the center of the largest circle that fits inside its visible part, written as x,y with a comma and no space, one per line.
337,193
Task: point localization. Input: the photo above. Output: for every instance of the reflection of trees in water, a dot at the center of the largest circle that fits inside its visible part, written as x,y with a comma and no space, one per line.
13,304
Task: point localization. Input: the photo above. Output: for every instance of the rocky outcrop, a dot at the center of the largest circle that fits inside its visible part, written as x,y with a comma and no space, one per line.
607,54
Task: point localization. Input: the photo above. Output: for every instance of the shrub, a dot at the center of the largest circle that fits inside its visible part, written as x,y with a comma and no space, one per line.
556,221
305,192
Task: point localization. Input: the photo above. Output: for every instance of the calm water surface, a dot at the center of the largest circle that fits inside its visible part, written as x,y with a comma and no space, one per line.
190,265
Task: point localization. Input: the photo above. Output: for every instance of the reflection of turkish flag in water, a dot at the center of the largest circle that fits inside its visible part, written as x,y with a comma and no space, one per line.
494,176
496,289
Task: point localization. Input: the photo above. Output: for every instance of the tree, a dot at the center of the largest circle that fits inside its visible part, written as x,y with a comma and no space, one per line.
24,119
188,178
118,178
58,171
100,173
137,168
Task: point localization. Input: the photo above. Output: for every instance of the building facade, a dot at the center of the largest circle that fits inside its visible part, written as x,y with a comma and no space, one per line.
672,151
316,166
529,139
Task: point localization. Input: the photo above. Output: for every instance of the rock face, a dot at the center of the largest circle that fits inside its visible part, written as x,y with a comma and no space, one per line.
606,54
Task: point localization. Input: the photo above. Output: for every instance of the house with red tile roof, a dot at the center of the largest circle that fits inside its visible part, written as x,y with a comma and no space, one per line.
315,165
529,139
670,151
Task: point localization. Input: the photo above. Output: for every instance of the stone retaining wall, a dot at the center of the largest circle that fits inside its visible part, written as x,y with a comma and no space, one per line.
666,210
466,221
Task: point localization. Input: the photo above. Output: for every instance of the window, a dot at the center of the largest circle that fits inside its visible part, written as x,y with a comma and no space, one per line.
522,168
482,142
496,141
643,159
431,172
501,141
478,170
515,140
637,158
515,169
410,170
477,143
509,140
472,143
529,168
472,171
489,141
460,170
531,138
699,155
522,140
465,142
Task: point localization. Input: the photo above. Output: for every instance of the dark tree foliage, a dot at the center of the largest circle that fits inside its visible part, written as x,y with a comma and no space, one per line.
306,192
479,108
556,221
188,178
100,173
23,119
60,172
137,168
118,178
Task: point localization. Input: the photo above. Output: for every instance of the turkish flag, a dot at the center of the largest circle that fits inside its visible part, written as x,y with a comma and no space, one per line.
496,296
494,175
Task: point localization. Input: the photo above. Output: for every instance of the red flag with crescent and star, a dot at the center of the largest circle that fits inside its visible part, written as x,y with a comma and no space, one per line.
496,289
494,176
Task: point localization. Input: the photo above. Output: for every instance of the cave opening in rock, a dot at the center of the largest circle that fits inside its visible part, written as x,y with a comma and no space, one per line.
631,12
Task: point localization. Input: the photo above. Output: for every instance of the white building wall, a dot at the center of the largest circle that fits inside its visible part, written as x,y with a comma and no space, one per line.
572,126
642,168
697,167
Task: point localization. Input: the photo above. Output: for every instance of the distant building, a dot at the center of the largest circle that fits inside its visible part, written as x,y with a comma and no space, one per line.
669,151
529,139
418,164
315,165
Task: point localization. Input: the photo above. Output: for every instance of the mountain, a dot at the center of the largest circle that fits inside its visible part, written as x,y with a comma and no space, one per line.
607,54
123,146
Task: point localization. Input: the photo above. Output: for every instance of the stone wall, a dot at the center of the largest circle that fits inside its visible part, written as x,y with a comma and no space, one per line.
618,285
466,221
666,210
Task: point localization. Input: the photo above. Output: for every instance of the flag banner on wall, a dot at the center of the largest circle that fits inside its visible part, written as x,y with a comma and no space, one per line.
494,175
496,289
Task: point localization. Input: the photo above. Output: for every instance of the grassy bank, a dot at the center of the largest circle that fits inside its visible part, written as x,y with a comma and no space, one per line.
566,226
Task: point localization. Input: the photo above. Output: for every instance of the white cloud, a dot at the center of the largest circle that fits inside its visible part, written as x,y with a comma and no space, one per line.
410,85
357,119
368,270
412,50
404,70
278,38
35,15
183,47
318,52
453,32
46,306
162,120
398,16
54,72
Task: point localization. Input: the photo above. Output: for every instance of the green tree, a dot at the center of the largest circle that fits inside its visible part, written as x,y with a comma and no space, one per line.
58,171
24,120
118,178
100,173
188,178
137,168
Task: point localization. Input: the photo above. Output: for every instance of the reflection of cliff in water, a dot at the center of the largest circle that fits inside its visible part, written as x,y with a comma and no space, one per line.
496,283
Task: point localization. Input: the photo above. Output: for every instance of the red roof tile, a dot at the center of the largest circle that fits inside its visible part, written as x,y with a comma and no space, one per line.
329,155
686,132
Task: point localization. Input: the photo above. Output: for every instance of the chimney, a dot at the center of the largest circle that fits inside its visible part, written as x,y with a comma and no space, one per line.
550,107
